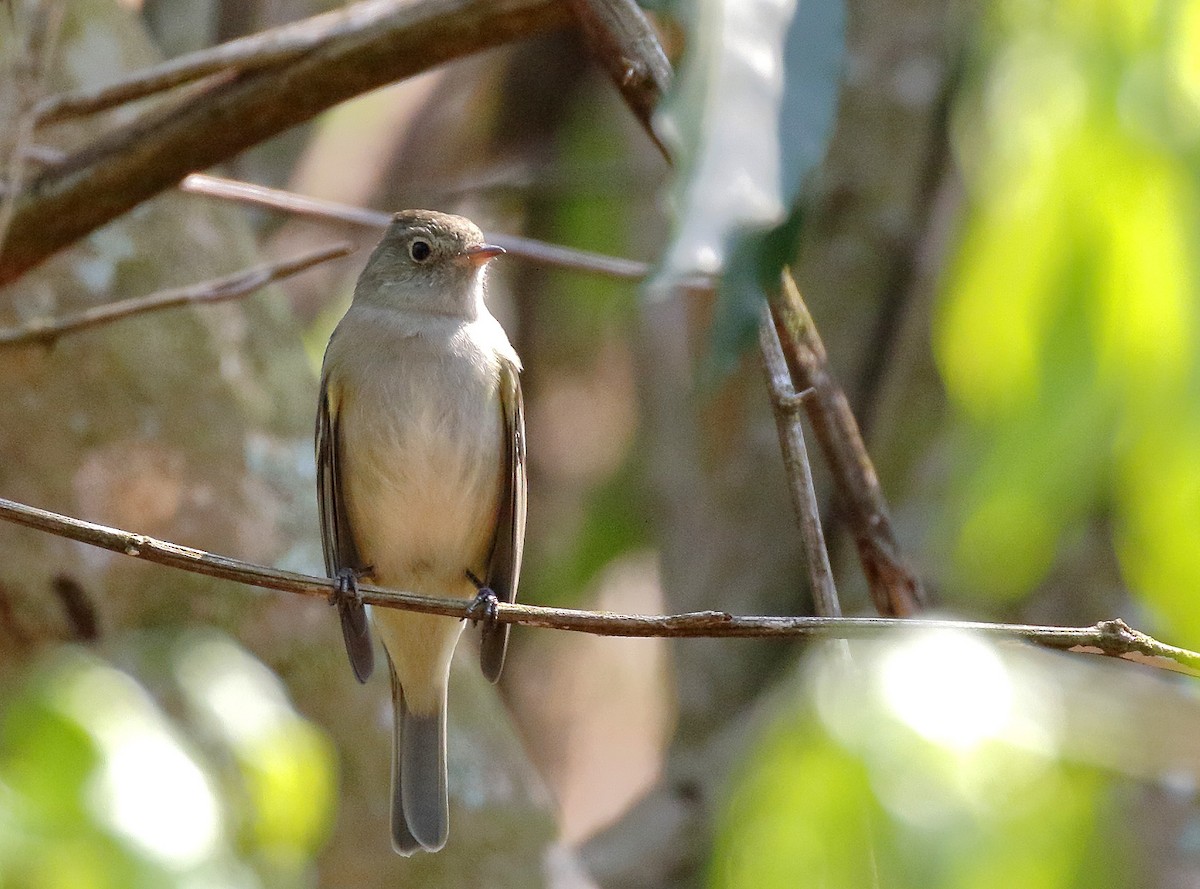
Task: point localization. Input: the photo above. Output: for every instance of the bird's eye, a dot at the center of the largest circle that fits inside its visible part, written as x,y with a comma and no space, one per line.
419,250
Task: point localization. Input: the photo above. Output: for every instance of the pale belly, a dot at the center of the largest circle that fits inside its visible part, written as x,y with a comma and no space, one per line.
422,488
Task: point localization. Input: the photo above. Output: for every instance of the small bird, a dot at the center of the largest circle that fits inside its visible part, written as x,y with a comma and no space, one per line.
420,447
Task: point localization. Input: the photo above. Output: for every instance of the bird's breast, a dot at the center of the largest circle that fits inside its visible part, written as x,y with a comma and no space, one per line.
422,453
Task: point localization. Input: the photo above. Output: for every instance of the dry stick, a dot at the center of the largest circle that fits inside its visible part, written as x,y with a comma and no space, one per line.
353,50
249,53
787,404
217,290
317,208
895,589
1112,637
301,205
622,40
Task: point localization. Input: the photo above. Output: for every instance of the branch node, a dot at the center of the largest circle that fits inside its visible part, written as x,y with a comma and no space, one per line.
793,402
1117,637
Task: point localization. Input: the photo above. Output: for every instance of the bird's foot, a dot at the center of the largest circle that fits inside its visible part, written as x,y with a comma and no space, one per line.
485,606
346,586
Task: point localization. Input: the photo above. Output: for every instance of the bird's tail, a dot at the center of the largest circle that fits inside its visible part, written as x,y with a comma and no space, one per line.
420,805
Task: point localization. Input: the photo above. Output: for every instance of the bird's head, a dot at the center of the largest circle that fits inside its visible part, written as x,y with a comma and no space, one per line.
428,261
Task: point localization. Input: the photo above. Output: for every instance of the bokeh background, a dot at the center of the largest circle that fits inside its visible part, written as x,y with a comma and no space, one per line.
996,228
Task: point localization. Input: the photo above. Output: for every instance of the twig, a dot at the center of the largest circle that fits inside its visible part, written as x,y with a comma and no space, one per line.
301,205
356,49
250,53
216,290
255,195
1113,638
621,38
787,405
895,589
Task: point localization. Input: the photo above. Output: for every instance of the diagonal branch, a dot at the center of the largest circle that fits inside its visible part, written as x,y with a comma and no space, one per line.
318,208
895,589
787,404
232,286
250,53
255,195
356,49
1113,638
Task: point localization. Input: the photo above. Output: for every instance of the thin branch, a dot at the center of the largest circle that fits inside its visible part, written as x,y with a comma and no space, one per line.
787,404
219,289
302,205
1113,638
354,50
250,53
895,589
139,85
620,37
255,195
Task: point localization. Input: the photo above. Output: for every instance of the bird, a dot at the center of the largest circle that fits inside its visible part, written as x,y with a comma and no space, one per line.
420,454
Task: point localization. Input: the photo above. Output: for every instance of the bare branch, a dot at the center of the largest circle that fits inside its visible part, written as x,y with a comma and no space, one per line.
356,49
217,290
621,38
569,258
787,405
250,53
1113,638
256,195
895,589
301,205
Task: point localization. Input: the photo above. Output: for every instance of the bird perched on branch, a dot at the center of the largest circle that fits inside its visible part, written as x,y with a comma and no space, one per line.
421,482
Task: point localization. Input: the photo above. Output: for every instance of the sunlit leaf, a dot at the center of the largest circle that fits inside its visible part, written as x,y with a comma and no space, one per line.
99,787
799,817
1068,332
936,760
1158,536
750,115
285,765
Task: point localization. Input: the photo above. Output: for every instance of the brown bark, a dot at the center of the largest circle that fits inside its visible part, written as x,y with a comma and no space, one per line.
367,45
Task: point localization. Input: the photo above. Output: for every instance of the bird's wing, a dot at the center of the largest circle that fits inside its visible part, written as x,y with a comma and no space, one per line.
336,538
504,569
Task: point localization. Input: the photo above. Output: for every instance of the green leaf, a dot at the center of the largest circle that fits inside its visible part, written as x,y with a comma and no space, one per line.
1068,333
940,761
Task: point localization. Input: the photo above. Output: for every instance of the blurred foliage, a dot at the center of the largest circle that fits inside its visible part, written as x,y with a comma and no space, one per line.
1068,328
593,213
937,761
100,786
751,113
613,524
1068,338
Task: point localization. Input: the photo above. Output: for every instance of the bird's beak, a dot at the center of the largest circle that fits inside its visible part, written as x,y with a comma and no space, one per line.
481,254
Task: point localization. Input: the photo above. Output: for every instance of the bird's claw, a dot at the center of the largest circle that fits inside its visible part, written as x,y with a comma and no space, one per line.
346,586
484,607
